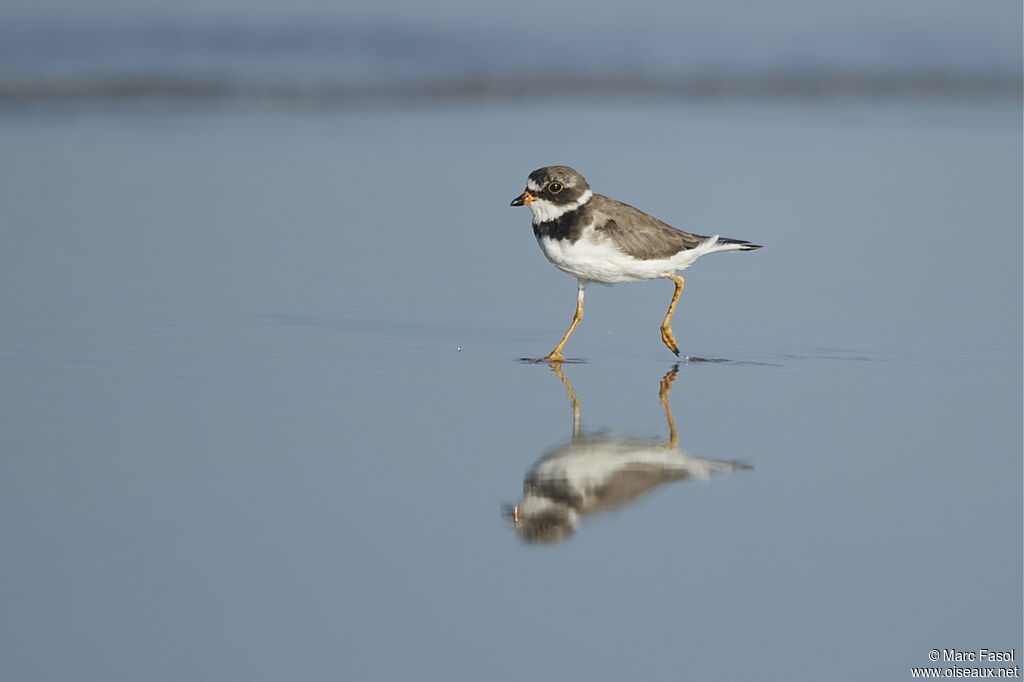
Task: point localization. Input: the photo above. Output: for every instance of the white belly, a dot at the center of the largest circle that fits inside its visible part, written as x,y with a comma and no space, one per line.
596,259
587,465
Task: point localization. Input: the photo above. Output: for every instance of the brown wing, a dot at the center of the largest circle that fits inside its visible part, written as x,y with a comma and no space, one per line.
629,483
638,234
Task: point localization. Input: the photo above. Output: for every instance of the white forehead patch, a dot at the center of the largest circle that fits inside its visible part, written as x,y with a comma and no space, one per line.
533,186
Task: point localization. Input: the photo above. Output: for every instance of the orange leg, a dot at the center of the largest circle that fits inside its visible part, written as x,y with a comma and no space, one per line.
663,391
667,337
556,354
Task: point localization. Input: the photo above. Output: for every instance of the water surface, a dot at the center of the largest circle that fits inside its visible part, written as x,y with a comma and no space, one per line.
262,401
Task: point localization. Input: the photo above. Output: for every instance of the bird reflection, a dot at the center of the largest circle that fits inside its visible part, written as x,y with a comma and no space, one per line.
597,473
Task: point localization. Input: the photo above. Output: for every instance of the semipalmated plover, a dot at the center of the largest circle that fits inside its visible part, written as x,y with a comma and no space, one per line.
598,472
598,239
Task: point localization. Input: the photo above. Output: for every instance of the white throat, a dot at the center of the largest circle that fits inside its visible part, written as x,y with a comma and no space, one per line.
544,211
534,504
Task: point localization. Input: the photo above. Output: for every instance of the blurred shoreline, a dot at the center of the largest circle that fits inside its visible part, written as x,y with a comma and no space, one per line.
65,90
330,63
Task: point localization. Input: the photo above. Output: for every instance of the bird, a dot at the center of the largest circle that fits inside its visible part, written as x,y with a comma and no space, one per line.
598,239
598,472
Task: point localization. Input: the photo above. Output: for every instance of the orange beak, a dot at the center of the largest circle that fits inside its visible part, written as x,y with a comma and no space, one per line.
515,509
524,199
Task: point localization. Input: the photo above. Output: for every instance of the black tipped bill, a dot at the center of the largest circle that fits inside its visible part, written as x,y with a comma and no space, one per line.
523,199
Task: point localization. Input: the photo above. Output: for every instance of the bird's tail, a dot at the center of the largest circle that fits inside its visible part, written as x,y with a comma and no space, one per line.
726,244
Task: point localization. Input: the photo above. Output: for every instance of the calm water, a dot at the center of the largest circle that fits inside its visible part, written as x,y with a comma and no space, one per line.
262,407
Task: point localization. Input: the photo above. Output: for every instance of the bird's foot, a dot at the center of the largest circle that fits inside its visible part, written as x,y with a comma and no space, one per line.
669,339
552,358
552,361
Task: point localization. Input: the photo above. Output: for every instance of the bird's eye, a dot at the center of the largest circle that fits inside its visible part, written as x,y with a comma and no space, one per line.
554,187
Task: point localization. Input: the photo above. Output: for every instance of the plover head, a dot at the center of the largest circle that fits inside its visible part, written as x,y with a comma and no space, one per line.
538,519
553,191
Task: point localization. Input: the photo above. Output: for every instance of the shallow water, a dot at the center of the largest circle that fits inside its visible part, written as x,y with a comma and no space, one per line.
263,405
